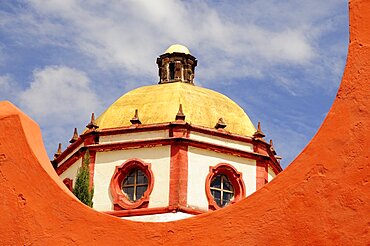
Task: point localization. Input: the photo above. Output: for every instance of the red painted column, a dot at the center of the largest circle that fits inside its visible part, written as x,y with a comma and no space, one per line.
178,176
90,138
261,174
92,167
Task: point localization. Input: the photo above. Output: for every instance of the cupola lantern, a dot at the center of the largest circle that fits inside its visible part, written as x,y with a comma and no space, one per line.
176,65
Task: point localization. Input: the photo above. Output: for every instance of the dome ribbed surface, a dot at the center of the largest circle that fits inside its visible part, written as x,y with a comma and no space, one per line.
160,103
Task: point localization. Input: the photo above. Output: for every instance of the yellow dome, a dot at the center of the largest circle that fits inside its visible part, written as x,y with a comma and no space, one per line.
160,103
178,48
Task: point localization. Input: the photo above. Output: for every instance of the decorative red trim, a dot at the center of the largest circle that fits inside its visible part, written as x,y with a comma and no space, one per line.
69,150
138,211
69,162
235,178
168,125
136,144
91,137
276,168
86,138
260,147
130,129
224,149
263,148
261,174
176,129
223,133
120,200
150,211
92,167
189,210
178,175
69,183
179,130
167,141
111,146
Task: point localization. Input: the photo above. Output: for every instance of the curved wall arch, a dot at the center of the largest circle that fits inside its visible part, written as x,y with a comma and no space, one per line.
321,197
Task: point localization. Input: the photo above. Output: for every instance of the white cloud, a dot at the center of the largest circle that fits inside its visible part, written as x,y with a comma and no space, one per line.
2,54
8,88
59,94
5,83
275,44
247,39
128,35
59,98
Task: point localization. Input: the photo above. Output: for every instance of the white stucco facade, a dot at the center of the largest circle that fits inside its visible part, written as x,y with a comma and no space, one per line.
71,172
106,162
70,154
271,174
134,136
222,141
199,162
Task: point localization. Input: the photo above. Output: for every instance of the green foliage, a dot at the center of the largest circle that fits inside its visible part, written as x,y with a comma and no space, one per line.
81,189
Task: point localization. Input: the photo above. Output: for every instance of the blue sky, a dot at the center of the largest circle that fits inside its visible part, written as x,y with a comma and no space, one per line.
281,61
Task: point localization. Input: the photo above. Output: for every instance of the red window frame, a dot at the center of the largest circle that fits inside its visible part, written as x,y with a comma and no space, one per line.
120,200
234,177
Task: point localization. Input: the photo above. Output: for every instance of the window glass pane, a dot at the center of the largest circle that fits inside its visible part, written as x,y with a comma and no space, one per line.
140,173
129,179
140,191
141,178
216,194
227,185
129,191
216,182
222,190
226,198
218,201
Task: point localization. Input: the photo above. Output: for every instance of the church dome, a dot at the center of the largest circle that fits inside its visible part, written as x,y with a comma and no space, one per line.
160,103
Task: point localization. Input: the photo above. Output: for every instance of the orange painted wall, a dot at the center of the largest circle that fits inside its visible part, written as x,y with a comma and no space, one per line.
321,198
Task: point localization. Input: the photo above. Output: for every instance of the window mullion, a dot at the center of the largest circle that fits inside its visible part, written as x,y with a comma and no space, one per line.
135,175
222,189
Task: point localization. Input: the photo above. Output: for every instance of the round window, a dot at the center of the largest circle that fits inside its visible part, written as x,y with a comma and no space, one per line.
224,186
131,185
134,185
222,190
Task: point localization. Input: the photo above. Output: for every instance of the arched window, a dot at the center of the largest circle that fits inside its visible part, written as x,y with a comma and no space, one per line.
224,186
131,185
172,70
